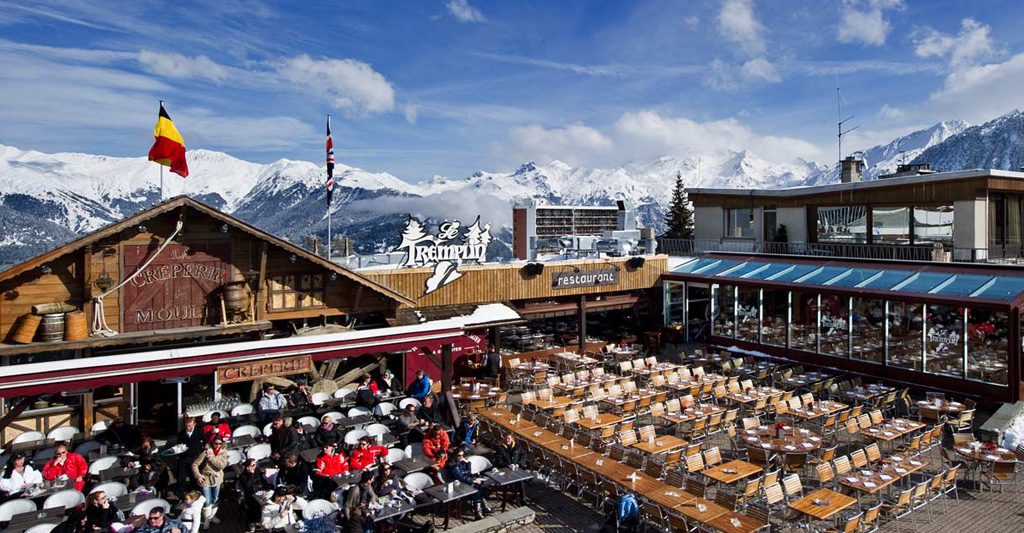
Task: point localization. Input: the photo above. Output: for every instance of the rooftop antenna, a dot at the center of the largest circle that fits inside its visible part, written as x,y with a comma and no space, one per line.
839,104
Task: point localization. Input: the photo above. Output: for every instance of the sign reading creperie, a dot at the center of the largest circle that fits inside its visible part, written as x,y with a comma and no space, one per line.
267,368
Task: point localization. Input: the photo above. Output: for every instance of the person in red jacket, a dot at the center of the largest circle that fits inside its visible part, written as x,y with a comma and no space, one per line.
216,428
66,464
330,464
436,444
365,454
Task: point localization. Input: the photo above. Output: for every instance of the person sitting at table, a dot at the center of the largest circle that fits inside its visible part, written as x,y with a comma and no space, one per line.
328,431
387,483
412,425
78,522
271,404
192,515
360,495
101,511
419,388
159,522
283,438
509,453
66,465
365,396
216,428
147,448
368,381
152,476
279,512
208,471
300,397
294,472
360,522
462,470
435,449
365,454
249,485
388,383
328,465
18,475
305,441
430,412
466,436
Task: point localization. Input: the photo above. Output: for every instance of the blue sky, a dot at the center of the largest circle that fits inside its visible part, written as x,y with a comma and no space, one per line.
449,87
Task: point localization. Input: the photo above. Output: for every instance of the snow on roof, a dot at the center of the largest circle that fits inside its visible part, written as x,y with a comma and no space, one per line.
487,314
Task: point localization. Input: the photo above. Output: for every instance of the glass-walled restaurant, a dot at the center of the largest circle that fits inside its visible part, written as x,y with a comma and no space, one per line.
949,327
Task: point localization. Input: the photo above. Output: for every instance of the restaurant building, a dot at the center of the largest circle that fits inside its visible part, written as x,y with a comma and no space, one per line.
909,278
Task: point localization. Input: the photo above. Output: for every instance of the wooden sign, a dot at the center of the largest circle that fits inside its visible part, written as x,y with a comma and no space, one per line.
284,366
174,290
571,279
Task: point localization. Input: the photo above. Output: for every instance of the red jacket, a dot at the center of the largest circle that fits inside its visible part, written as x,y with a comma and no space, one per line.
361,458
74,466
433,448
331,465
222,429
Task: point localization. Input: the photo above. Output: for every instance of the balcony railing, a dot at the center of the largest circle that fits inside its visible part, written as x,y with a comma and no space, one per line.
896,252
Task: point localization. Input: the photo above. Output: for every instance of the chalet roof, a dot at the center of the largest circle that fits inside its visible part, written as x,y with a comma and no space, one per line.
185,201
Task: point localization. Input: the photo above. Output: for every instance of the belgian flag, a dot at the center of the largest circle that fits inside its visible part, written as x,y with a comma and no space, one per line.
169,148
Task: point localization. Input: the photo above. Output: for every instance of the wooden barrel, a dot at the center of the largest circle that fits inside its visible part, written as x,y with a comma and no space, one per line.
235,297
25,329
51,329
75,328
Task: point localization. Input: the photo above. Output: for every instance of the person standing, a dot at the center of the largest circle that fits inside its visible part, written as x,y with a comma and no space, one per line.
492,363
67,465
208,469
194,441
191,515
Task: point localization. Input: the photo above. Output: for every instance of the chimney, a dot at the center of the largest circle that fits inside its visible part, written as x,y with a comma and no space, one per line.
852,169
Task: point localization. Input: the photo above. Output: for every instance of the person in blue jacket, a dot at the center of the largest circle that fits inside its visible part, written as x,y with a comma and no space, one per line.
462,471
420,388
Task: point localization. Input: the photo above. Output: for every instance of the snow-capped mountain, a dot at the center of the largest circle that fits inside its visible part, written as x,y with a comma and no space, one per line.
47,199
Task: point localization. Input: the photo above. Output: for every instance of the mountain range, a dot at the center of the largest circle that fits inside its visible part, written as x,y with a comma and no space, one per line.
48,199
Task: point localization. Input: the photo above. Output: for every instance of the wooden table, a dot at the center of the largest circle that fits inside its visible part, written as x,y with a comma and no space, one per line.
836,503
818,409
896,467
999,455
753,395
640,394
603,420
484,391
732,471
670,497
539,435
508,421
892,430
743,523
943,406
568,451
710,510
867,392
532,367
668,443
806,379
554,403
794,440
700,410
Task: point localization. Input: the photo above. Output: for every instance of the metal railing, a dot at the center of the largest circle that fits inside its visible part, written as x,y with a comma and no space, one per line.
895,252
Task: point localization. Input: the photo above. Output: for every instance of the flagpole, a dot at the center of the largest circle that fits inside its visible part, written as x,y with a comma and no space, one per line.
161,168
328,206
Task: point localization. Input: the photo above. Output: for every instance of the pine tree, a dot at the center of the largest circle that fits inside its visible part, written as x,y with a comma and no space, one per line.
679,222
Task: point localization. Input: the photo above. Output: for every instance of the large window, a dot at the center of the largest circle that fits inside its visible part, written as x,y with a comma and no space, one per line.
944,341
775,306
699,310
747,314
844,224
835,325
868,341
739,223
725,309
905,323
890,225
674,303
296,291
933,224
987,346
804,331
1004,230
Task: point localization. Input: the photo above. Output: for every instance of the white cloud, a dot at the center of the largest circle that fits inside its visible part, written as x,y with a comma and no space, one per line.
692,22
761,68
865,22
574,144
348,83
891,113
462,204
738,23
411,112
973,43
177,66
463,12
206,128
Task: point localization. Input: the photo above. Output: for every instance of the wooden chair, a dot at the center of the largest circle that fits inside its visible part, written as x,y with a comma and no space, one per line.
850,525
675,478
825,474
842,465
759,457
949,483
673,457
965,421
727,499
900,507
712,457
869,522
694,463
654,468
874,454
696,487
963,439
693,449
1000,474
859,459
792,486
794,462
750,491
635,460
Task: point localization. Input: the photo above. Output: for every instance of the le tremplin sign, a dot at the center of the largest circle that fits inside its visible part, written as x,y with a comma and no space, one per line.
584,278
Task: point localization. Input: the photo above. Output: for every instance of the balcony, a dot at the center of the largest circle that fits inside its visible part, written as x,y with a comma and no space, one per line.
895,252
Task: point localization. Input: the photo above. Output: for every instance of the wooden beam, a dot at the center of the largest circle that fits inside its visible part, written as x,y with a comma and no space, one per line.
354,374
332,369
430,355
262,281
16,411
358,298
88,414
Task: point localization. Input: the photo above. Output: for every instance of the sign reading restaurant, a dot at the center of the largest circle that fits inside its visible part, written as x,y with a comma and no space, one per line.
284,366
450,247
585,278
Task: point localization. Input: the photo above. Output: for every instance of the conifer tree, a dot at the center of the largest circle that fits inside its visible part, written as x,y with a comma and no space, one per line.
679,220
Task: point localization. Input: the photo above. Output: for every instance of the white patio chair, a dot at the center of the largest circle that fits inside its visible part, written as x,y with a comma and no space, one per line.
29,436
395,455
62,434
353,436
246,430
319,398
13,507
102,464
99,427
479,463
84,448
259,452
343,393
377,429
143,508
409,401
68,499
112,489
335,416
309,421
418,480
317,508
242,409
235,457
357,411
41,528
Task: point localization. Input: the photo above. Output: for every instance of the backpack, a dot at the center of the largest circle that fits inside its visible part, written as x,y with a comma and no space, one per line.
627,511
